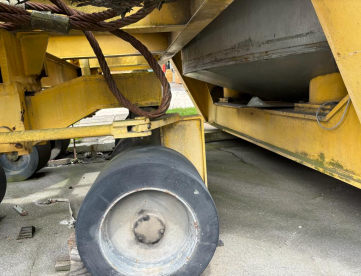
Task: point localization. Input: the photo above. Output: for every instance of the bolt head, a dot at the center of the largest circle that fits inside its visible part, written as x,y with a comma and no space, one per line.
19,146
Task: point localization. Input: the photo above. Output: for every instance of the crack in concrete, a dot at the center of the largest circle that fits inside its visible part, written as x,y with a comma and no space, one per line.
235,155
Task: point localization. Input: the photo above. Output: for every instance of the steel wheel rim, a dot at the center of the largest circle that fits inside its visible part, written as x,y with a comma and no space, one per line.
21,168
170,239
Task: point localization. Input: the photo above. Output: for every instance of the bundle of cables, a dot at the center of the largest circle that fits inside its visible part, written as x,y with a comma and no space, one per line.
61,18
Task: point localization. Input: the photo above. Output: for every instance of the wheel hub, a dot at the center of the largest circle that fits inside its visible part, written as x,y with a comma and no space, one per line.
13,157
148,232
149,229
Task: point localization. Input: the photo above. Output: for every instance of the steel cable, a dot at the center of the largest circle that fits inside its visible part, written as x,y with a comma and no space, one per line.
15,17
341,120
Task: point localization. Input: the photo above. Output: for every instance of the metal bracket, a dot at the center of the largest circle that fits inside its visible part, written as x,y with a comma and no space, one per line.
157,123
139,127
50,22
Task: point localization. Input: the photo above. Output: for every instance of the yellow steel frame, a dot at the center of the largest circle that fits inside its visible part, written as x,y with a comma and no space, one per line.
165,33
32,62
58,71
173,129
295,133
139,127
68,47
66,100
197,90
71,101
20,70
172,17
123,63
299,138
341,24
193,146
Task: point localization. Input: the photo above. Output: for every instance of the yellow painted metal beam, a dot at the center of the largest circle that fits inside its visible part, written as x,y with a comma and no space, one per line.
17,63
159,122
327,88
33,47
69,47
12,106
71,101
18,74
165,120
120,70
172,17
197,90
58,71
119,129
138,127
119,62
193,146
294,134
340,21
336,153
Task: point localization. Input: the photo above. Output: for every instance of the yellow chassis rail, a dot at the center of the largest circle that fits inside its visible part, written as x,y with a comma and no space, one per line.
140,127
294,134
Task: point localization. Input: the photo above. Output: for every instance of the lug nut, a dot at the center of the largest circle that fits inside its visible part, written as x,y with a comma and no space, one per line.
162,231
140,239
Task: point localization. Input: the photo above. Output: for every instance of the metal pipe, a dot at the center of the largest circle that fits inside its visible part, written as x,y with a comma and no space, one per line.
54,134
68,133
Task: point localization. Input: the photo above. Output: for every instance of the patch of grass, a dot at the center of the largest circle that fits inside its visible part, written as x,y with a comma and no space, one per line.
184,111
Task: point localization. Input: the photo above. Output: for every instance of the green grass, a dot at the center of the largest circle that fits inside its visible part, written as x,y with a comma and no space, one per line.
184,111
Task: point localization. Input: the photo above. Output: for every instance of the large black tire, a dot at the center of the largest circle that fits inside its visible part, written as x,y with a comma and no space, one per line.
58,147
44,152
2,183
25,166
149,173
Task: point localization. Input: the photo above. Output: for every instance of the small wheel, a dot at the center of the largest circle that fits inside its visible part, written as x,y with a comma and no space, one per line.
58,147
148,213
22,167
2,183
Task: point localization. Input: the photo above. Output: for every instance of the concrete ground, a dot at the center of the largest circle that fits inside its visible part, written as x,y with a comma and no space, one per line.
277,217
180,97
